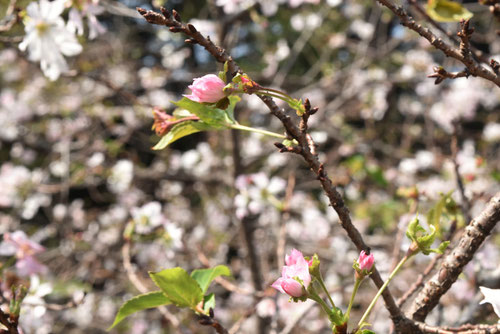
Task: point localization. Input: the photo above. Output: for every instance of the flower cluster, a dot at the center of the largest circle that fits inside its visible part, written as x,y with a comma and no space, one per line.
18,244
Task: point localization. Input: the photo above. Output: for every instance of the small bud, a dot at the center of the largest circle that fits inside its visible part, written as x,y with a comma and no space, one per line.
307,104
209,88
176,15
192,28
190,41
165,12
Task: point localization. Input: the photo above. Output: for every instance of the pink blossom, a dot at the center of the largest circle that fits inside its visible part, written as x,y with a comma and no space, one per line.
18,244
294,256
208,88
365,261
297,268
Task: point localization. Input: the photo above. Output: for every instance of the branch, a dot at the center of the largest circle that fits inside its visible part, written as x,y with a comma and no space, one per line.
465,329
452,266
306,144
473,67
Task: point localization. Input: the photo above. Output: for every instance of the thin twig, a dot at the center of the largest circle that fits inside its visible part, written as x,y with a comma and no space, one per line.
474,68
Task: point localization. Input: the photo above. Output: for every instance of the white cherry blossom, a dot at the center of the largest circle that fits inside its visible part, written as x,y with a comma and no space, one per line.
47,38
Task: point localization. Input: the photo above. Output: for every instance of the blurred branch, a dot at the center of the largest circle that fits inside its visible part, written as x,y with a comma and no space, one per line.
452,266
10,17
464,201
465,329
463,55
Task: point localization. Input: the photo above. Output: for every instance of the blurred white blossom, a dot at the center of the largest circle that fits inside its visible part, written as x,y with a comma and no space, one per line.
47,38
89,9
491,132
121,176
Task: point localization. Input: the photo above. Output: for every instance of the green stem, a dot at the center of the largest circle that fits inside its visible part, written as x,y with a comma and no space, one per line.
278,92
250,129
281,97
323,286
321,302
391,276
357,283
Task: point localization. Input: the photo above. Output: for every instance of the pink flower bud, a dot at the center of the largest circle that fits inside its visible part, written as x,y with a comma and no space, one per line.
295,275
293,257
365,261
208,88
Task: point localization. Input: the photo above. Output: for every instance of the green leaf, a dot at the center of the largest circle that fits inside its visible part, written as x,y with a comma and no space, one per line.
205,276
447,11
181,130
139,303
207,113
233,100
414,228
367,331
208,302
178,286
425,241
223,74
440,250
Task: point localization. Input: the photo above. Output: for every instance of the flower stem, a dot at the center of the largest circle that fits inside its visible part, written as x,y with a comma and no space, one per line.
323,286
357,283
374,301
321,302
278,92
250,129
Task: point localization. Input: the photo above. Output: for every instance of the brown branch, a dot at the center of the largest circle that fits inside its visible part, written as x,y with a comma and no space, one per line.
464,201
419,282
441,74
208,320
452,266
172,20
466,329
473,67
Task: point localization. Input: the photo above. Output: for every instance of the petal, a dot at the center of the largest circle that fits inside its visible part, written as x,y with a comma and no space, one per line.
277,285
491,296
292,287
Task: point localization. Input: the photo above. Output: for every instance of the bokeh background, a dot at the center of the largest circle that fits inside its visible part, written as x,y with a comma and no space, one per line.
77,165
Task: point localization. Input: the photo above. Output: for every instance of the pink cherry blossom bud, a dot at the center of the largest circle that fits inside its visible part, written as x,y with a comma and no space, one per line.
295,277
365,261
208,88
294,256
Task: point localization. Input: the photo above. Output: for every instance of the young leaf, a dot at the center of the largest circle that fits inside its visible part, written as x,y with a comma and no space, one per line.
205,276
139,303
178,286
208,114
447,11
181,130
208,302
233,100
